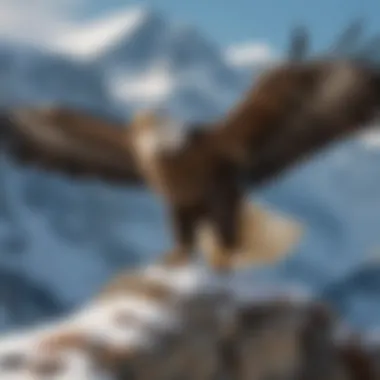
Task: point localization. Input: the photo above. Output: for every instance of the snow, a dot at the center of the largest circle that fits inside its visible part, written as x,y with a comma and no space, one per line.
147,311
250,53
168,65
371,138
194,279
153,85
96,323
89,40
186,280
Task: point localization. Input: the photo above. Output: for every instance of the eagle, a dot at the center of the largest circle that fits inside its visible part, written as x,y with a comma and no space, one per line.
203,173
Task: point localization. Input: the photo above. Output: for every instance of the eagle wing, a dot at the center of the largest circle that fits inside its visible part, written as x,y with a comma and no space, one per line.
298,107
72,142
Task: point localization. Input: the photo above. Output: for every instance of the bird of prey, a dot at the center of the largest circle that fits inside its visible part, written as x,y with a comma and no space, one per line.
291,111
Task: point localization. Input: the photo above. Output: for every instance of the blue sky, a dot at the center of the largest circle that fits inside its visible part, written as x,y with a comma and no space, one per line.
233,21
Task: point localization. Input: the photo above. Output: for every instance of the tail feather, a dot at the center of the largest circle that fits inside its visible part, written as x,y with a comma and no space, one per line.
265,236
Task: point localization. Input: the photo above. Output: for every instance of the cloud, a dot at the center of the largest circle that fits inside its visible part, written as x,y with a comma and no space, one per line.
371,137
36,20
250,53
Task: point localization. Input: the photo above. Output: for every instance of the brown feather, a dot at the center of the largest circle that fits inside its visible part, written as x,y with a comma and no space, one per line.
71,142
296,110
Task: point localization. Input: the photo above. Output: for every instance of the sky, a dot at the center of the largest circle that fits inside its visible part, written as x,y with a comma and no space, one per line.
226,22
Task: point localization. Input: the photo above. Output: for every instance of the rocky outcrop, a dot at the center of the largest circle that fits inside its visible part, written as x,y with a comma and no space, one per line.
185,323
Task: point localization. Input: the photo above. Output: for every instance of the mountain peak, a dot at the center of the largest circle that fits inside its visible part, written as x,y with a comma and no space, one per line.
96,36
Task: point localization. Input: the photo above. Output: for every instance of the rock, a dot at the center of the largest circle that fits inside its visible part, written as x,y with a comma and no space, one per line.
185,323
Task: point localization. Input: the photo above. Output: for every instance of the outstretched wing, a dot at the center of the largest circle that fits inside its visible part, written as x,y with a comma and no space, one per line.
71,142
298,107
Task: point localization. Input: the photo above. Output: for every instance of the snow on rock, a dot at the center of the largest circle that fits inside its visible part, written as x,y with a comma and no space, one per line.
158,323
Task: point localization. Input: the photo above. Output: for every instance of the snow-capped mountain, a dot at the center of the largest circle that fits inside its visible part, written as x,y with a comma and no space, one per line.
31,75
123,61
70,236
149,61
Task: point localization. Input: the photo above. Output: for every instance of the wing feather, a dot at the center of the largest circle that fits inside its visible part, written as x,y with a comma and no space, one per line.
70,142
299,107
